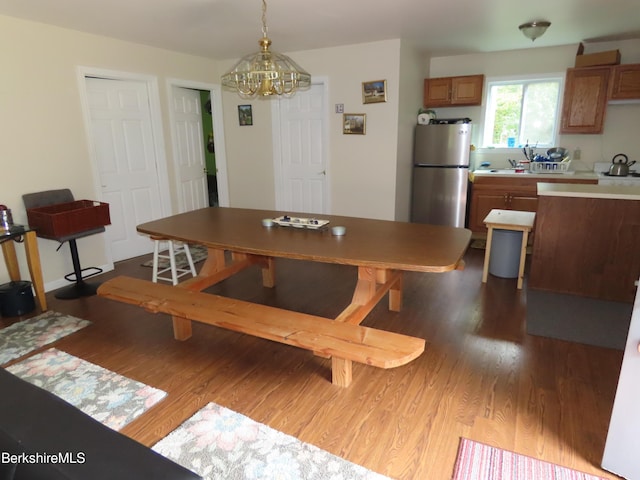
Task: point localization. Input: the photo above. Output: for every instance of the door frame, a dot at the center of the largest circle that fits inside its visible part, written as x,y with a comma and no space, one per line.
277,147
155,109
218,135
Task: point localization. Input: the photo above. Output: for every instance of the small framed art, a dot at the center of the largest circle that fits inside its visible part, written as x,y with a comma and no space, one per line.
374,92
245,115
354,123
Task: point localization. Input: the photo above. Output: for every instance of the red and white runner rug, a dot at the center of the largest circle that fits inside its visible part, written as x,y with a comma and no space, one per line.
477,461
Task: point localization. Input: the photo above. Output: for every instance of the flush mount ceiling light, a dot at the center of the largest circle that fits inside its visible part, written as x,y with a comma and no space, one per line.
534,30
266,73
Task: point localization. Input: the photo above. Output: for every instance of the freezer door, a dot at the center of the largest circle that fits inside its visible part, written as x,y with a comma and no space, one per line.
439,196
442,144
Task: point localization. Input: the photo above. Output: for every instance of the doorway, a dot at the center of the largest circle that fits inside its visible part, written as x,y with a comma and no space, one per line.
300,139
198,144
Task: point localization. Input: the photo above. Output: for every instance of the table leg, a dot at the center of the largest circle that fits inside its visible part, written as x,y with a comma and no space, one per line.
35,268
523,257
372,285
269,273
11,260
395,295
487,254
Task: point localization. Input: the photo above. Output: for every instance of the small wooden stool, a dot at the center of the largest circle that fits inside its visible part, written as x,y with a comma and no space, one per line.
508,220
176,273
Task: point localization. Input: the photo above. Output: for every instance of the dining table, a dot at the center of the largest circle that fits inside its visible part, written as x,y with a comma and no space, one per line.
237,238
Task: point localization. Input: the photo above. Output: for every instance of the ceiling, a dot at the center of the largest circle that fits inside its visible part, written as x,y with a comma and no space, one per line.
224,29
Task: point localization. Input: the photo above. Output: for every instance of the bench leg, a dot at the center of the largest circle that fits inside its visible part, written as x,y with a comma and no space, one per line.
181,328
341,372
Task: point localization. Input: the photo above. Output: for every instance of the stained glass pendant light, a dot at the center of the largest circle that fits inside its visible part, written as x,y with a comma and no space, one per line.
266,73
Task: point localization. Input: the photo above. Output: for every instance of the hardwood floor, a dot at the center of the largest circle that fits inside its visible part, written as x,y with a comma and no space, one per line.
481,376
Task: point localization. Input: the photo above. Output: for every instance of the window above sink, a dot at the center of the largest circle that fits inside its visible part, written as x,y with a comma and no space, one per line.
522,111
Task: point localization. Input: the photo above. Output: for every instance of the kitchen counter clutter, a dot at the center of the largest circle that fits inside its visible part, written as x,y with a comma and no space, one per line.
612,192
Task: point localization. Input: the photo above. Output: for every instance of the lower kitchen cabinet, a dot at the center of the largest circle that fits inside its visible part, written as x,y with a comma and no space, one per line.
482,202
506,193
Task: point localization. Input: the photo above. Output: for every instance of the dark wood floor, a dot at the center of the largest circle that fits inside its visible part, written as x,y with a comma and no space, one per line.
481,376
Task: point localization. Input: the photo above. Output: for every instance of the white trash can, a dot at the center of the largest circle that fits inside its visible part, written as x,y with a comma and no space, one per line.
504,261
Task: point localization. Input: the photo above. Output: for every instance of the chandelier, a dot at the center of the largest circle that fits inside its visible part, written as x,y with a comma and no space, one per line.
266,73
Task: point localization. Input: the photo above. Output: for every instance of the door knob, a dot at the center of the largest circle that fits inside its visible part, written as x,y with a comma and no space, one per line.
323,172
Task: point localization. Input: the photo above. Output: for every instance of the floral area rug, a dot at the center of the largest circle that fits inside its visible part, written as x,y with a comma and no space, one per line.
110,398
218,443
28,335
477,461
198,254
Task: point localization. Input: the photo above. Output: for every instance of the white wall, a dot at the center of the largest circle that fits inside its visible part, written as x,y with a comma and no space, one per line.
620,129
44,143
413,71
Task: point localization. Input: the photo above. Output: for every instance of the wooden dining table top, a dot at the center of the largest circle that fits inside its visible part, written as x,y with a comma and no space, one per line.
367,243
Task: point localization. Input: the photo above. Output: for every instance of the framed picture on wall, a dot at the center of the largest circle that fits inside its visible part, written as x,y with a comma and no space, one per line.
354,123
245,115
374,92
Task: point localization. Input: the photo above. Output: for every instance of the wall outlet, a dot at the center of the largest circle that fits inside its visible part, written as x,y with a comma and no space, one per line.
339,107
576,154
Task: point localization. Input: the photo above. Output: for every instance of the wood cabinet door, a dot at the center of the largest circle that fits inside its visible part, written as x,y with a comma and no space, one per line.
467,90
523,202
481,204
437,92
585,100
625,82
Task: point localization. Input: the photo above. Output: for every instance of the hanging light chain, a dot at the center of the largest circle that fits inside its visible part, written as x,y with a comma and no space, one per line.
264,18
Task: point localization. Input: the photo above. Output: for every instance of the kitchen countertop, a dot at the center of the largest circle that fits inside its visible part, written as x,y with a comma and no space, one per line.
577,190
505,172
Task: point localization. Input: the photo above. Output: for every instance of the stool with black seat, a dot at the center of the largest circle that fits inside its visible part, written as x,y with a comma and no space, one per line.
80,288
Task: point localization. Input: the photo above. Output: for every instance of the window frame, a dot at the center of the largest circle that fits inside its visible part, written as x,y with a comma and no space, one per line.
521,79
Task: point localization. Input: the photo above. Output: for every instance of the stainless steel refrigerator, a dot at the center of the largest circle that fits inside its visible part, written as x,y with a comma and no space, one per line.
441,173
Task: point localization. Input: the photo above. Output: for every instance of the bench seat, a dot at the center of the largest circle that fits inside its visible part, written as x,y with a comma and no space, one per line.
342,341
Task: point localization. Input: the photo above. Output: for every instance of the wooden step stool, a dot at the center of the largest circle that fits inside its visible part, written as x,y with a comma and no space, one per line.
173,248
508,220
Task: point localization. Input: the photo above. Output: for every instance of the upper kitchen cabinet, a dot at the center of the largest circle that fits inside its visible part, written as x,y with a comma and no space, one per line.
585,100
453,91
625,82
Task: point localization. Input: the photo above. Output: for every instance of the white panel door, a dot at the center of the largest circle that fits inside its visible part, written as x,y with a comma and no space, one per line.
302,164
122,135
191,169
621,449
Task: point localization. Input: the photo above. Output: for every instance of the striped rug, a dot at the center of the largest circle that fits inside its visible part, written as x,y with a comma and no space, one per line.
477,461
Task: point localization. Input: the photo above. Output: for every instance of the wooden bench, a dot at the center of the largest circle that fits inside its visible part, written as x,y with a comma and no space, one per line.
343,342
